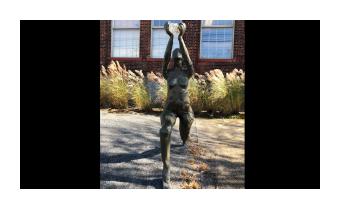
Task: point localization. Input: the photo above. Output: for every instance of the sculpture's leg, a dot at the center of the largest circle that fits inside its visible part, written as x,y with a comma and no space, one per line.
186,120
168,120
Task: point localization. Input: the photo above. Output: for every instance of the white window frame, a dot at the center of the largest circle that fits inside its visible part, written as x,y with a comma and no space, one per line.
232,26
151,39
123,28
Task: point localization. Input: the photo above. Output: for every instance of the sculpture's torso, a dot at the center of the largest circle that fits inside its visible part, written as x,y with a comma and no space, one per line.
178,96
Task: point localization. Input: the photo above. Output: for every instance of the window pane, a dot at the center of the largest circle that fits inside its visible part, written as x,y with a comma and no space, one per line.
125,24
160,23
125,43
159,41
216,43
217,34
217,23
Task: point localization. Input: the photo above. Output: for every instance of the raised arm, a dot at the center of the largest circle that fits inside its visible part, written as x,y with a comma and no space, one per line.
167,54
184,50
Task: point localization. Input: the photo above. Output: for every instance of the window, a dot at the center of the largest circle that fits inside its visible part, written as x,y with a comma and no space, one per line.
160,38
217,39
125,38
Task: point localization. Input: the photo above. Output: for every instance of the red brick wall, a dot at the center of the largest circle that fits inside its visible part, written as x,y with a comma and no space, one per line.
105,37
192,40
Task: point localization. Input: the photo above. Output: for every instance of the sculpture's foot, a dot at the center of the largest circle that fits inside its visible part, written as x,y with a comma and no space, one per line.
166,178
166,185
185,149
185,142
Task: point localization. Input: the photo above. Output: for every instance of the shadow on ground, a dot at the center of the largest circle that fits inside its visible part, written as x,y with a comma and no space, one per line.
130,154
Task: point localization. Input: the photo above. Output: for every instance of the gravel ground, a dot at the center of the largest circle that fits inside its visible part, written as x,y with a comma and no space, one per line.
131,159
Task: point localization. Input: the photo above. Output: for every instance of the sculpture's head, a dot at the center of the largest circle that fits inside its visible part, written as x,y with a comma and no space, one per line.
177,56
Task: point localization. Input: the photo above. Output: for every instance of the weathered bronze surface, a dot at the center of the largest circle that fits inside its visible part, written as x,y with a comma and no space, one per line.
178,103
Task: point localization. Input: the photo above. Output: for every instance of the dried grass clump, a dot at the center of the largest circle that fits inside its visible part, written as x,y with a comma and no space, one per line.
155,85
213,91
143,92
113,93
105,92
226,93
197,93
202,167
163,92
235,85
113,87
217,91
195,149
141,97
189,181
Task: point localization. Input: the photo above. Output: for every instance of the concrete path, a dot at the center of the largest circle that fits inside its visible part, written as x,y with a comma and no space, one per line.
130,153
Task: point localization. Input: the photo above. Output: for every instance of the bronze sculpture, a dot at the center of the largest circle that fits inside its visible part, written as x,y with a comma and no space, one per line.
177,103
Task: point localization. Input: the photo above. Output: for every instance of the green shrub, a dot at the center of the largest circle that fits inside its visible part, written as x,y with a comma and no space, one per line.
154,83
163,91
217,92
213,91
235,86
113,93
104,93
226,93
197,94
141,96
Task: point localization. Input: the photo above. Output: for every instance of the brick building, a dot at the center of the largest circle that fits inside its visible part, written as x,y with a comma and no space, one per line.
141,44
